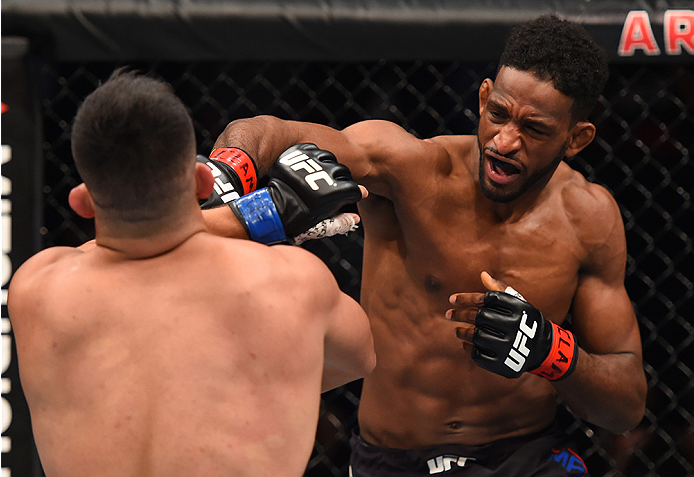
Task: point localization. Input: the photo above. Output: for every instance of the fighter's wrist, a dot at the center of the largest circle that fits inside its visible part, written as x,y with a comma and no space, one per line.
562,356
259,216
241,163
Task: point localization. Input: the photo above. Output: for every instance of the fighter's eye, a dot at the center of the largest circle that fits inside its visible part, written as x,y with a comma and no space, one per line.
496,114
535,129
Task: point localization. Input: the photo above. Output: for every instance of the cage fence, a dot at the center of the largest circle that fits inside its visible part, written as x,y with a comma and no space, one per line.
642,154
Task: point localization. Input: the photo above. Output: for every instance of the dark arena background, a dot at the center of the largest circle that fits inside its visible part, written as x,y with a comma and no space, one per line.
416,62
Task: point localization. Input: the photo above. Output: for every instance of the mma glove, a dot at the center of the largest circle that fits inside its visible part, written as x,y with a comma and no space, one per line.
305,187
235,174
512,337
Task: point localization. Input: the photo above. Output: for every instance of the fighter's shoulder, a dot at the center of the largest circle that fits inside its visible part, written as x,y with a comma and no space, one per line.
46,258
284,265
373,129
299,263
456,144
296,272
460,149
590,208
390,141
35,271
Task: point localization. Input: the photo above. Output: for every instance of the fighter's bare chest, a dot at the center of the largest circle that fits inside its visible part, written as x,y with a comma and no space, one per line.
446,251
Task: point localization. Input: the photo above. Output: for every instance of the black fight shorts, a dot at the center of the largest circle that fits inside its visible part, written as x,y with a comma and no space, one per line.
547,453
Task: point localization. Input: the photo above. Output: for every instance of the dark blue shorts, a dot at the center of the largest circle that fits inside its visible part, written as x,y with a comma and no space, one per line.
547,453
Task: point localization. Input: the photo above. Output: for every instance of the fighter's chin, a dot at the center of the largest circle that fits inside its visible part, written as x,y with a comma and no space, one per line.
496,193
505,189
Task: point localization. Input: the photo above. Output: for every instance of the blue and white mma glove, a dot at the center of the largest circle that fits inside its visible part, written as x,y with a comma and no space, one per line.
306,188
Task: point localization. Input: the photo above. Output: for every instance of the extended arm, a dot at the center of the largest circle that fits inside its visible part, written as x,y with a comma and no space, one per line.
376,152
263,139
306,187
266,137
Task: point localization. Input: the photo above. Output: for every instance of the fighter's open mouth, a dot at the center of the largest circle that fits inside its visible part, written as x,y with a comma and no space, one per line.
504,168
501,172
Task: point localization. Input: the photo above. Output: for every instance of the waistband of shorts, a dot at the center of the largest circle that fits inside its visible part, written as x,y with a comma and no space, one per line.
505,446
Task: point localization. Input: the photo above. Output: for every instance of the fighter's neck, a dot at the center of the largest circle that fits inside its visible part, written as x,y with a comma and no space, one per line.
518,208
137,242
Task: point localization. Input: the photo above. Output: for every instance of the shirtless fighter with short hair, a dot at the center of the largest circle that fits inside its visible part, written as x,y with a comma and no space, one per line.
442,212
160,349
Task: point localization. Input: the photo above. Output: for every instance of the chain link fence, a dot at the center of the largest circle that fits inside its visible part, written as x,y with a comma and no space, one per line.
642,154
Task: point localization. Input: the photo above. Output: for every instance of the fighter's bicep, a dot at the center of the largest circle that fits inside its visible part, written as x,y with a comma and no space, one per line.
348,343
603,317
389,158
348,340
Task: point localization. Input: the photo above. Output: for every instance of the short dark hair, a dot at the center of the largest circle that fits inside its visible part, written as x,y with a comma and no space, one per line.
562,52
132,139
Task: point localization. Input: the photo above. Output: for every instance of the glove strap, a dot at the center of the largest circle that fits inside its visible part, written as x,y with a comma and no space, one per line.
241,163
562,357
261,218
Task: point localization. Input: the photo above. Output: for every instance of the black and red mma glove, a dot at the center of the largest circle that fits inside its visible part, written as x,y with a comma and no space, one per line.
235,175
512,337
306,188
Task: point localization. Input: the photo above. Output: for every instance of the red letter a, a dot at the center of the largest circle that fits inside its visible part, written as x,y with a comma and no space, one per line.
637,33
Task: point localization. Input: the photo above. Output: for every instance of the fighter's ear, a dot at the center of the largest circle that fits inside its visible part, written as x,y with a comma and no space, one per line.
580,136
204,181
484,92
81,202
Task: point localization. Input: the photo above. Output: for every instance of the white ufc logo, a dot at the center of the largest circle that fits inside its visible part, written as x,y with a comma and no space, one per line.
224,189
298,160
519,352
444,463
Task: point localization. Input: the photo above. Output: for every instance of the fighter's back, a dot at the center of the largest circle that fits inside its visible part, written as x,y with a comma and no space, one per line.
206,360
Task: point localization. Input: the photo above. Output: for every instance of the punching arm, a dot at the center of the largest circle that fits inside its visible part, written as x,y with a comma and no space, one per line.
307,187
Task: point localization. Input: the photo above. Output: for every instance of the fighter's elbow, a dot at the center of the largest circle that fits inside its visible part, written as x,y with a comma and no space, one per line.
626,422
635,416
630,414
369,363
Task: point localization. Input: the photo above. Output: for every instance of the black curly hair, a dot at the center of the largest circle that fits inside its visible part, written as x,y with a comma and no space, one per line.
560,51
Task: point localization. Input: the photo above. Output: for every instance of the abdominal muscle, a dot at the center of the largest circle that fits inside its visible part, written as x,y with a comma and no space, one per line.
427,391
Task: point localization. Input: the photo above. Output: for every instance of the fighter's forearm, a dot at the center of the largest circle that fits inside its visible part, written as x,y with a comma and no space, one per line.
264,138
606,390
223,222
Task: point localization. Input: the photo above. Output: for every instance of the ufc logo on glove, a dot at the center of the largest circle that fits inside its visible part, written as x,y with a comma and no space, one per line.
222,185
292,207
517,354
505,344
298,160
